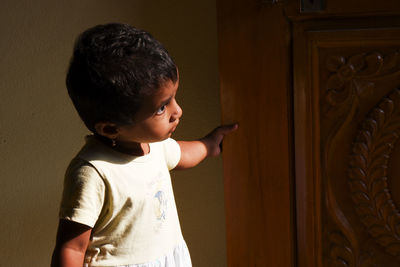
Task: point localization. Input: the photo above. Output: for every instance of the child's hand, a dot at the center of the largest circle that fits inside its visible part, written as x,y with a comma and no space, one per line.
193,152
213,140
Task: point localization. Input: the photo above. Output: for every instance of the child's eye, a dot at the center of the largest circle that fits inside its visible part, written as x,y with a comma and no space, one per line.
161,110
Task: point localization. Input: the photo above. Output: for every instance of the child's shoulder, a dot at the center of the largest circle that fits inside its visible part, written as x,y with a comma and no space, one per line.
80,167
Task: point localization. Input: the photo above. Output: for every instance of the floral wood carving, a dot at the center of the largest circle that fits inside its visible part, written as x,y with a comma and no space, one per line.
342,254
354,77
368,173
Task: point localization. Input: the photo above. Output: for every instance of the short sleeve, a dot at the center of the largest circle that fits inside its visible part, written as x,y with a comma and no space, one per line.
83,194
172,152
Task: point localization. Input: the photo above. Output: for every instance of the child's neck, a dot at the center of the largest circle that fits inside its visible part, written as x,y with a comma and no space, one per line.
130,148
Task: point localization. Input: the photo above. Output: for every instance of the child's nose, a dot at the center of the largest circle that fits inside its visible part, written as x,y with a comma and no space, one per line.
177,112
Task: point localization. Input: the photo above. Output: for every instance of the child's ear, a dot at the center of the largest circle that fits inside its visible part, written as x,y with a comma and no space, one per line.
107,129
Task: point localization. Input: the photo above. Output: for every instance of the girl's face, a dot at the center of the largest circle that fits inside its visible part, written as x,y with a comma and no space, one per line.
155,121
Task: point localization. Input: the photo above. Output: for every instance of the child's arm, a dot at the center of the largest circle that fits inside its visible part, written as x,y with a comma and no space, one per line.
193,152
72,242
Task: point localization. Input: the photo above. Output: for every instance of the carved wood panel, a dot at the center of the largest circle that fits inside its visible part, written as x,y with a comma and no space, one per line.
347,127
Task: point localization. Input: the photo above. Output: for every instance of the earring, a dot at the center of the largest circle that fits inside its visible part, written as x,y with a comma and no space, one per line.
113,143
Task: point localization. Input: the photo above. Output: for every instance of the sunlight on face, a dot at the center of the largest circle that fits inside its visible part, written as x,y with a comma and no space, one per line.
156,120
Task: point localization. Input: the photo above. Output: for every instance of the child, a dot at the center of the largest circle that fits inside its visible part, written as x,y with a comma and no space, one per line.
118,207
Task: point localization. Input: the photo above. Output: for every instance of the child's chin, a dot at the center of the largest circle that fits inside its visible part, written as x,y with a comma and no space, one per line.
172,130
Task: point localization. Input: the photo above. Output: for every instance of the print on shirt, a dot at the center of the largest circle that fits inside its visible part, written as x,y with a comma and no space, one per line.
160,205
157,188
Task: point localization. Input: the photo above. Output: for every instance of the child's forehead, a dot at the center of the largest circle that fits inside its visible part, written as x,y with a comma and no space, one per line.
165,92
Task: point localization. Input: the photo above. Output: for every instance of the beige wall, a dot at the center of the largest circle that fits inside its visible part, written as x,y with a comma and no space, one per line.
40,131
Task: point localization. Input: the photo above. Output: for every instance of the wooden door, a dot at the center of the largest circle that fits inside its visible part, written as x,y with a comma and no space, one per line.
311,177
347,123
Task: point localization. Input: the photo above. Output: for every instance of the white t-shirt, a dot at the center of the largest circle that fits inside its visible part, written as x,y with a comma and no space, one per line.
127,200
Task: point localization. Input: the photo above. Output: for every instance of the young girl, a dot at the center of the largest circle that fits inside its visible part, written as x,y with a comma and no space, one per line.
118,207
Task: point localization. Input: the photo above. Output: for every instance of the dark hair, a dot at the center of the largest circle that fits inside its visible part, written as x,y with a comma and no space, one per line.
112,68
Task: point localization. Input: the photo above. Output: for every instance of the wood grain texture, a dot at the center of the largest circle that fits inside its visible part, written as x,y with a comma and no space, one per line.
255,82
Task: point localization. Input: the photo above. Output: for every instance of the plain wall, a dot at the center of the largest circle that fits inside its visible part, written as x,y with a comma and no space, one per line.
40,131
